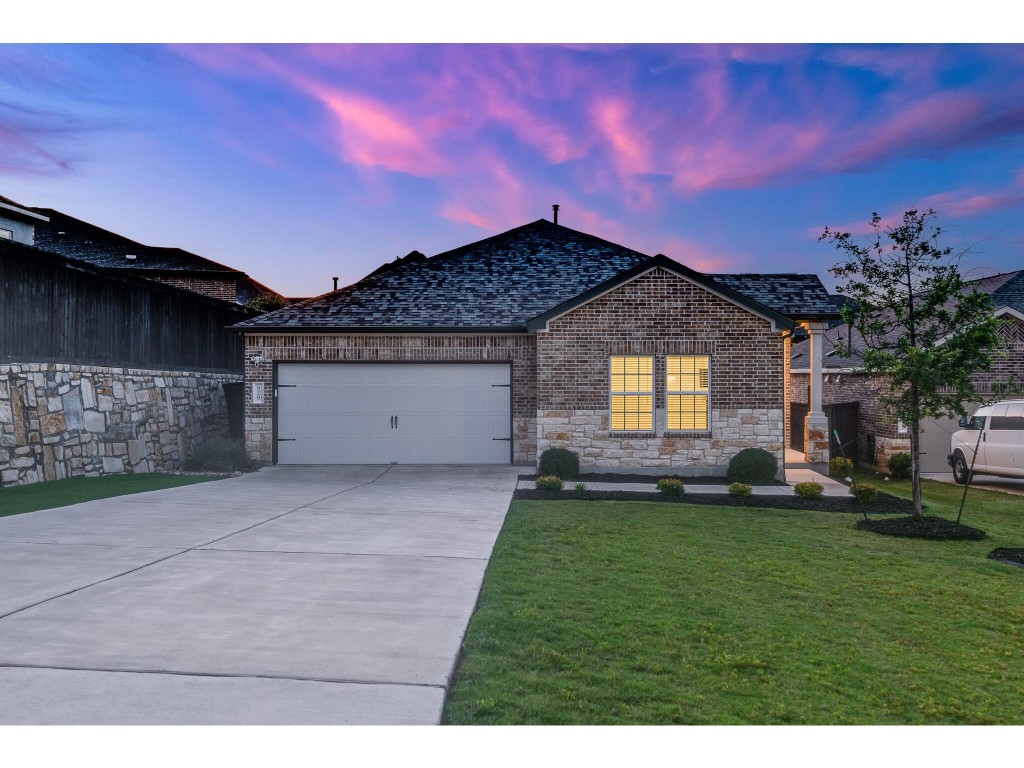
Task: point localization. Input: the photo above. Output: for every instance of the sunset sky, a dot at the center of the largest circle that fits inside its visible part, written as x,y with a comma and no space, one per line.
295,163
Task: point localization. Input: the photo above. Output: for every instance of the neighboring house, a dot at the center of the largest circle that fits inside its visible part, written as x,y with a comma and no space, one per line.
538,337
18,223
59,233
866,430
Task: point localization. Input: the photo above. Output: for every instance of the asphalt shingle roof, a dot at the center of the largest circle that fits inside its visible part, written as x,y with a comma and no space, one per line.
80,240
502,282
1010,293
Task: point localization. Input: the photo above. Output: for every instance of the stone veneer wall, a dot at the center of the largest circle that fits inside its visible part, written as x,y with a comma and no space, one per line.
661,314
61,420
519,349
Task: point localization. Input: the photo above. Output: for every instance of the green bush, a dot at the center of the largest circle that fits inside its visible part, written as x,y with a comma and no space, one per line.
754,466
740,489
864,493
560,462
671,486
581,489
809,490
219,454
900,465
840,467
549,483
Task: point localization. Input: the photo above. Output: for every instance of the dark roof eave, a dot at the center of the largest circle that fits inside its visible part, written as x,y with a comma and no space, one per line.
781,322
389,329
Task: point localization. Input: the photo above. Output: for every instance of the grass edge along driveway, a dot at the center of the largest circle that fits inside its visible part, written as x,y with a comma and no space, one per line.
18,499
645,613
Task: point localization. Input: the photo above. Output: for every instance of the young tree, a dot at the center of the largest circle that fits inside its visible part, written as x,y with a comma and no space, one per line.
923,329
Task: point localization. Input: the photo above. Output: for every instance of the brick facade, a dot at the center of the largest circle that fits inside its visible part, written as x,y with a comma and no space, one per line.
519,349
224,289
661,314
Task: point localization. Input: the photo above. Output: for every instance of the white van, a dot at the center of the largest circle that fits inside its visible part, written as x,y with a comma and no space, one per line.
1000,442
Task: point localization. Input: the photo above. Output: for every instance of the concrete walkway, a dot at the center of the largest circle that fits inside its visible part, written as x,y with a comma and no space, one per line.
295,595
793,476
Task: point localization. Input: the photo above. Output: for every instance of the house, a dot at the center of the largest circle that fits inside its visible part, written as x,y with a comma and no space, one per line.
851,398
60,233
538,337
18,223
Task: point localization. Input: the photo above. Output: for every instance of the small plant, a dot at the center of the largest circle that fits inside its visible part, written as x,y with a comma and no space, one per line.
560,462
754,466
671,486
581,489
740,489
840,467
864,493
550,483
219,454
899,465
809,490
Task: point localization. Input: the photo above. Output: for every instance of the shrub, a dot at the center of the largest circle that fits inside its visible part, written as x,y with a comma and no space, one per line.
900,465
840,467
219,454
864,493
754,466
560,462
809,490
549,483
671,486
740,489
581,489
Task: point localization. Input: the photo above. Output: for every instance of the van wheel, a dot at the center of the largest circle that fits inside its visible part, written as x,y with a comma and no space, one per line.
960,471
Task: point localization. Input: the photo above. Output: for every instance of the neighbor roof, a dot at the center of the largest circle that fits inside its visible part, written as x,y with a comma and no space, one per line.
1010,293
505,281
80,240
12,208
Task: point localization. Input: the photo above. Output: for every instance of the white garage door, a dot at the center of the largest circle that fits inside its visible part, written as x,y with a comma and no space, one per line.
381,413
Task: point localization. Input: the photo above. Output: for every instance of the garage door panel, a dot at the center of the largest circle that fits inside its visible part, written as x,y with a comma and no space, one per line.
448,413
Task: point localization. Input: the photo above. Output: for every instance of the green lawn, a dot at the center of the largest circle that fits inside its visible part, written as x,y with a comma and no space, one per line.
623,612
58,493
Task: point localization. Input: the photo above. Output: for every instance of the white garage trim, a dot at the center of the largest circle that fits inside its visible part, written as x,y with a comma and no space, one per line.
392,413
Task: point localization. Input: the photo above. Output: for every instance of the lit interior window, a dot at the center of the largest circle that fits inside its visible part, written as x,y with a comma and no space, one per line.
687,390
632,393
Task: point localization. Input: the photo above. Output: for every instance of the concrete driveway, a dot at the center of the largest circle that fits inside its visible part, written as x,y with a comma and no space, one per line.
295,595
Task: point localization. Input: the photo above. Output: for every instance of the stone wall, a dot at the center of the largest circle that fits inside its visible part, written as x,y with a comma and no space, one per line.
661,314
519,349
732,429
60,420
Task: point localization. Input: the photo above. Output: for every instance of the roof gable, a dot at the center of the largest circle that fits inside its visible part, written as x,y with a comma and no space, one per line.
778,321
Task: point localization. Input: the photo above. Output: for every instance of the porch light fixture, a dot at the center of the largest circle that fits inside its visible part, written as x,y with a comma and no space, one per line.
257,359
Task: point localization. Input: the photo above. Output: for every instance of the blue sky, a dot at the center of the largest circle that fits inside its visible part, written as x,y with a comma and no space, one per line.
298,162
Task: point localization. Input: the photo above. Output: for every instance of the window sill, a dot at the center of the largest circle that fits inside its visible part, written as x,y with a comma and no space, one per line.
695,433
631,435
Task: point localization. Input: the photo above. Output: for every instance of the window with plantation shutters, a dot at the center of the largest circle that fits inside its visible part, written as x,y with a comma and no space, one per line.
687,392
632,393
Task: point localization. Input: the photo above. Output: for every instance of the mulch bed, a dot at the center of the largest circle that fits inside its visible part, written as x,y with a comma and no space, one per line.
927,527
1008,555
624,477
885,505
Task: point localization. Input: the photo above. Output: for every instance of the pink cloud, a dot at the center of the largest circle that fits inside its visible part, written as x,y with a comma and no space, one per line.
698,256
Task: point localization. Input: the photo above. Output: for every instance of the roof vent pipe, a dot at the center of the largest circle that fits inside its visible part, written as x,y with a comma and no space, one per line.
335,282
554,209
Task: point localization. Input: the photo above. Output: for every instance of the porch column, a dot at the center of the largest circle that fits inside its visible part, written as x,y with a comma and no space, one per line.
816,442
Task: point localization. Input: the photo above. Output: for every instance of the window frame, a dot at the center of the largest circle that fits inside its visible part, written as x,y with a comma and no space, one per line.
612,394
690,392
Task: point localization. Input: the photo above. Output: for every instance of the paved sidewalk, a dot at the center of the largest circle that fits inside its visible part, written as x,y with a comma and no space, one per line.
295,595
793,476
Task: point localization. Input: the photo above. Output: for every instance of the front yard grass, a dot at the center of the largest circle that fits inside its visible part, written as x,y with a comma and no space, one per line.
58,493
634,613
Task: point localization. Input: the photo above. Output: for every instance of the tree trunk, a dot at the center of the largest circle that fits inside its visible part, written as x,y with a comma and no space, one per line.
915,456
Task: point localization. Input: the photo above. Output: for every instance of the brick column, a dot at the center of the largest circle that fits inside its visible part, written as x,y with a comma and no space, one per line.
816,442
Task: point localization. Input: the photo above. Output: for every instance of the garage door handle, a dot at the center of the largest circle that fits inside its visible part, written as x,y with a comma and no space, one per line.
505,439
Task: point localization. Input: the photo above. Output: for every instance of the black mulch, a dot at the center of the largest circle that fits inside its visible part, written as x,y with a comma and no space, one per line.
623,477
885,505
1008,555
927,527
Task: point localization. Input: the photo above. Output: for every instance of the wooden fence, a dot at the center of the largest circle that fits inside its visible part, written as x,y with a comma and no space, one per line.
54,309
